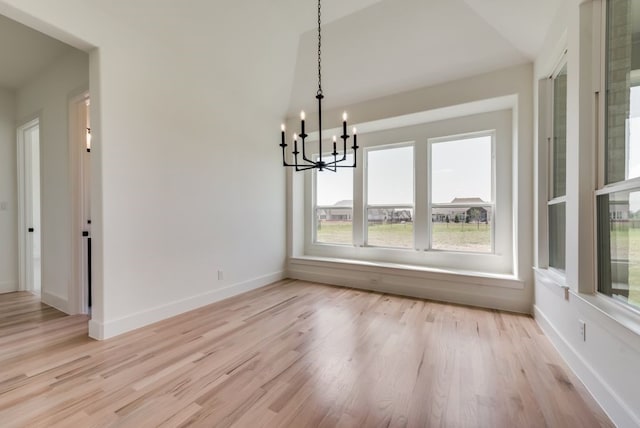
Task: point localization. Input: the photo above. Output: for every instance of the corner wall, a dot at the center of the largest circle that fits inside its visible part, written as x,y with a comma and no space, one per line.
8,194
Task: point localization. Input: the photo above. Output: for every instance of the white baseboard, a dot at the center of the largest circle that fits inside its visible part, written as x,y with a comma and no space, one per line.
109,329
610,402
53,300
8,287
445,288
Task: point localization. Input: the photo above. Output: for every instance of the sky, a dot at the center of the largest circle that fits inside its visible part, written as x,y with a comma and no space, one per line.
460,169
633,139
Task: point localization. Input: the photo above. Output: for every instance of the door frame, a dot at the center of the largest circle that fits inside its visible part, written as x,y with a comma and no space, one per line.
79,163
24,260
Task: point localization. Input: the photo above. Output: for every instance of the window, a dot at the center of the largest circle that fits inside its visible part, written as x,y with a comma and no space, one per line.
462,194
334,206
390,197
556,206
424,195
618,199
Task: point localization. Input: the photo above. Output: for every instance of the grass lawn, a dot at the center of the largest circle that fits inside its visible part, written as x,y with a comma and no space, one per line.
625,245
334,232
399,235
446,236
475,237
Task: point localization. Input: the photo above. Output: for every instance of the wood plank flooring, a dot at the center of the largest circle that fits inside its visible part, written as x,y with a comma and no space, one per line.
22,310
294,354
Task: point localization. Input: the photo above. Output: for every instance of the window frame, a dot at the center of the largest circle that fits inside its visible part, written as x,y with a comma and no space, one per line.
602,186
503,261
551,179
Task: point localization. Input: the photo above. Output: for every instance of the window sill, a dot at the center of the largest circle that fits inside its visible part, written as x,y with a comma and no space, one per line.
554,280
414,271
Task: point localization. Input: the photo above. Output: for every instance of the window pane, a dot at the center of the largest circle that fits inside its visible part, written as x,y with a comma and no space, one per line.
623,97
461,170
559,133
390,176
461,229
335,187
334,225
557,227
392,227
334,202
619,245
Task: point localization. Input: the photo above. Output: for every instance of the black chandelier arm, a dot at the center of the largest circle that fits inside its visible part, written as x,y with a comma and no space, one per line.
348,166
297,165
303,136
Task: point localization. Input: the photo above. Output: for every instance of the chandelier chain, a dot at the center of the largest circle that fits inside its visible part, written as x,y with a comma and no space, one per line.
319,52
303,160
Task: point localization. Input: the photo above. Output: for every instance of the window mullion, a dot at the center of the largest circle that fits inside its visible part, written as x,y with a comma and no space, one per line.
421,188
359,217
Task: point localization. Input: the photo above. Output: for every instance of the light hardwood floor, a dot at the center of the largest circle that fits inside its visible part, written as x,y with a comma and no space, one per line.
22,311
295,354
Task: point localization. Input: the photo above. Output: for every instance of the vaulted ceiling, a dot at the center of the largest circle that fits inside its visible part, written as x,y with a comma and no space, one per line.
376,48
371,48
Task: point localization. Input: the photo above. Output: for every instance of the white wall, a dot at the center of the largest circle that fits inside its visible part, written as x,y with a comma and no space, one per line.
47,96
8,194
513,291
185,117
607,361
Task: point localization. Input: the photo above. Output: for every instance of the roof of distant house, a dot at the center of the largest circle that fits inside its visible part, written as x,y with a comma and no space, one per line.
467,201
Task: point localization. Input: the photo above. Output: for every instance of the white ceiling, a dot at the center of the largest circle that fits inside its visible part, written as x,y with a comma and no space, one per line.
24,52
373,48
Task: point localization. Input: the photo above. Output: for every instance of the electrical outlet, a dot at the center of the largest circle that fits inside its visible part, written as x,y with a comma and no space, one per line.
4,205
220,275
583,330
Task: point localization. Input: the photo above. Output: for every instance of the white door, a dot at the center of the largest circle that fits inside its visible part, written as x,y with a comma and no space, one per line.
29,206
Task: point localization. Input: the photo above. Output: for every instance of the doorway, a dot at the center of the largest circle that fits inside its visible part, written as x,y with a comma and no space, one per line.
29,240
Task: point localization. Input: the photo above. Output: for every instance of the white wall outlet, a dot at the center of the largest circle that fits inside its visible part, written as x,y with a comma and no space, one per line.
220,275
583,330
4,205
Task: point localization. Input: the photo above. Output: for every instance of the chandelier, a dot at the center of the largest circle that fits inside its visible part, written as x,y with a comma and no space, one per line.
335,159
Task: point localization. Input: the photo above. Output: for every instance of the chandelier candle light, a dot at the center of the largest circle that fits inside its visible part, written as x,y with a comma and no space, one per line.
305,163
